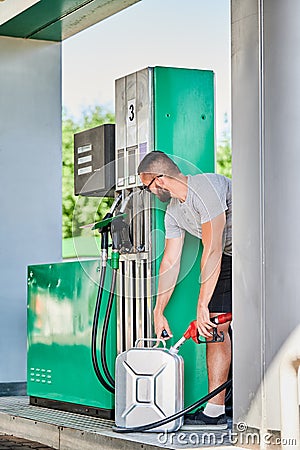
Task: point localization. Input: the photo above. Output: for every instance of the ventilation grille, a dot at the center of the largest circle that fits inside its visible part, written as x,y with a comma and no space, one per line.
40,375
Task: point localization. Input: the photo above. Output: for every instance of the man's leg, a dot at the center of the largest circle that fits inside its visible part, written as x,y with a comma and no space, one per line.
218,364
218,358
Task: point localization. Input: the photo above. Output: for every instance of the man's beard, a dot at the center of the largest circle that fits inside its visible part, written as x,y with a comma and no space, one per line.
163,195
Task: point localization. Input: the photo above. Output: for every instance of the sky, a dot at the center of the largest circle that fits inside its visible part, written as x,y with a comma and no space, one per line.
173,33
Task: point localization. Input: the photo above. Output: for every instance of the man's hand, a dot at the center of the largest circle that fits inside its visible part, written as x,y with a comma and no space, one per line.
160,324
203,323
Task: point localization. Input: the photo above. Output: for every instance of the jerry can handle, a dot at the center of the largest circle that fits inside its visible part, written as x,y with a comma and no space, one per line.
156,340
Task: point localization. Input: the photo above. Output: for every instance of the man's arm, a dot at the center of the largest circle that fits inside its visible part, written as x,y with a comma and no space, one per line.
168,274
212,233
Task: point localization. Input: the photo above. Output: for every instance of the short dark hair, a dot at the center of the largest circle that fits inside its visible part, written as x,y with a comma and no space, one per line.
158,162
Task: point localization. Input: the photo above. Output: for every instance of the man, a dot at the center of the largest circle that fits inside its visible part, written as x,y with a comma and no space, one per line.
200,204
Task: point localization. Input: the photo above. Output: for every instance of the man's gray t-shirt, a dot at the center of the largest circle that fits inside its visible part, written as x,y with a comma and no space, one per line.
208,196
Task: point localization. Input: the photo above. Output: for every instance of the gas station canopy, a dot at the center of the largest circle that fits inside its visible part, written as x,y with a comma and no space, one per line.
54,20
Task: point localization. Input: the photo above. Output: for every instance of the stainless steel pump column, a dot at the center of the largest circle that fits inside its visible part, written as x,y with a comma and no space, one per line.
134,138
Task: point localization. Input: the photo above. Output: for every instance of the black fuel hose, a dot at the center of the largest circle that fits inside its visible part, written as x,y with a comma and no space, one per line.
104,246
175,416
94,333
105,328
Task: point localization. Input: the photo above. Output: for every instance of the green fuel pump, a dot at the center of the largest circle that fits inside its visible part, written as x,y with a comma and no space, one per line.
157,108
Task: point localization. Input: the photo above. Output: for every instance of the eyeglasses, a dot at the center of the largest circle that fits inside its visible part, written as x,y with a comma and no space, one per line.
147,188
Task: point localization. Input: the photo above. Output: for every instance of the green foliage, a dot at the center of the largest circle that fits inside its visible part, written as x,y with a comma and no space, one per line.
79,210
224,157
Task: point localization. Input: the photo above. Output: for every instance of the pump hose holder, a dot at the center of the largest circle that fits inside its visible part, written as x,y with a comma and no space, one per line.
106,221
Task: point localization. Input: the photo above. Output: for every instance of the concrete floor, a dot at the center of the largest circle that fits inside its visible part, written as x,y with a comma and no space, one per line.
15,443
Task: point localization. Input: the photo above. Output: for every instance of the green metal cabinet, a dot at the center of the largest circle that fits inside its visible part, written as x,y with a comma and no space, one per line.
61,303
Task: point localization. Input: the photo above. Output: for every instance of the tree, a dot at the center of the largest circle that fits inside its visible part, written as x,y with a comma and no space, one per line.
224,157
224,150
78,211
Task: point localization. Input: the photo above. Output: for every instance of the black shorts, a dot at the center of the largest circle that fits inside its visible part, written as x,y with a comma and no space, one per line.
221,301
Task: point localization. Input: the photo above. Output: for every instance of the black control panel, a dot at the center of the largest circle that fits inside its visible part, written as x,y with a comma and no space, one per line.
94,161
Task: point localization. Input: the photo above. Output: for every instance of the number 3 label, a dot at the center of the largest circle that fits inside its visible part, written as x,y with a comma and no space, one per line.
131,112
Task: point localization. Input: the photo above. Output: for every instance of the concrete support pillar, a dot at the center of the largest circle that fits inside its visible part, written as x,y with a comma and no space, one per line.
30,183
266,192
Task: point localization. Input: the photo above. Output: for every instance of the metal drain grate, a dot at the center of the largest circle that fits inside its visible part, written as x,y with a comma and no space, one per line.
20,407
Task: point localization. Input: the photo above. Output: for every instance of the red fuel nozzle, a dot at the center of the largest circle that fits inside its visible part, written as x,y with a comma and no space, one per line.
192,331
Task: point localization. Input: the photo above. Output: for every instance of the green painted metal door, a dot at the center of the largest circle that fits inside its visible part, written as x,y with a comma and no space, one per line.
184,129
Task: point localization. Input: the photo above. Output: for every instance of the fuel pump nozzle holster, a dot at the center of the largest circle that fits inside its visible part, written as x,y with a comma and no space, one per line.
119,230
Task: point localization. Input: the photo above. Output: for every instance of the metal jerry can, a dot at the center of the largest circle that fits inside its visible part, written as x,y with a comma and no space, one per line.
149,386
